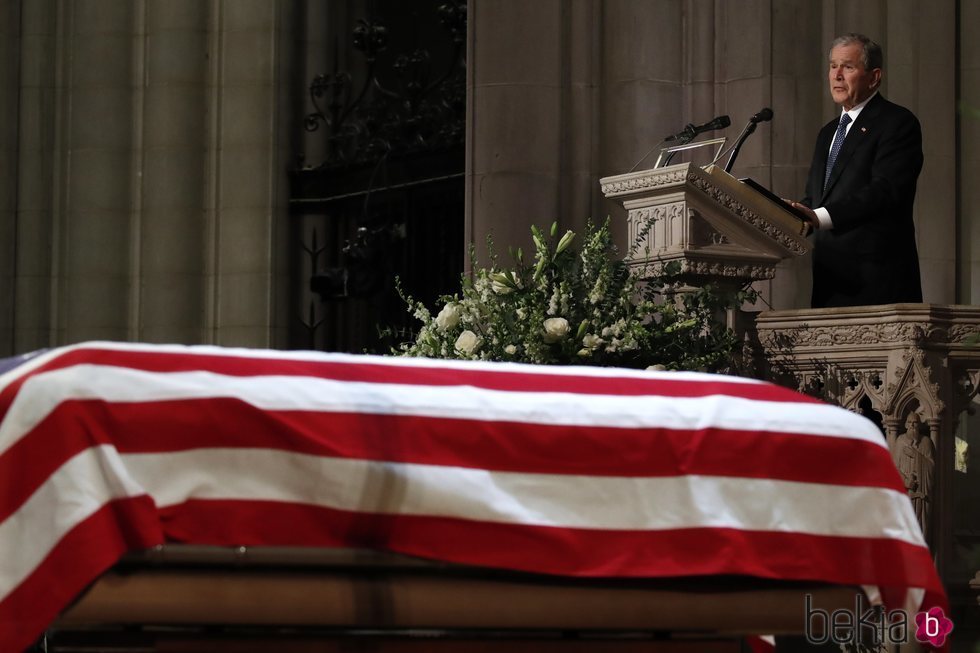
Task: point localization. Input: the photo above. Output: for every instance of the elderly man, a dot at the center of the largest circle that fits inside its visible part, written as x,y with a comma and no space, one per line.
861,188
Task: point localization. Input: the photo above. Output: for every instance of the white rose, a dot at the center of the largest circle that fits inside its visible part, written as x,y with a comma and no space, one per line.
467,342
510,349
555,328
592,341
448,317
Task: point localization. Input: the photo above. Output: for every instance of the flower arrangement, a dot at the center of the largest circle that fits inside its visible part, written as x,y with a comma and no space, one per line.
584,306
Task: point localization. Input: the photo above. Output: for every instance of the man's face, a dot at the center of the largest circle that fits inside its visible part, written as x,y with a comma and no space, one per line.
850,83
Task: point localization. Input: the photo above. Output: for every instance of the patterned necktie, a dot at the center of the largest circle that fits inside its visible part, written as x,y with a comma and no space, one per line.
835,148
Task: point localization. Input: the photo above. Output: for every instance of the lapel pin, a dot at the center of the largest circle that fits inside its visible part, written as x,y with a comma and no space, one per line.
864,129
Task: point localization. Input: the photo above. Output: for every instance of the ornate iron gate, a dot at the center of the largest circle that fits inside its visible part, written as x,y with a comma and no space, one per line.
386,203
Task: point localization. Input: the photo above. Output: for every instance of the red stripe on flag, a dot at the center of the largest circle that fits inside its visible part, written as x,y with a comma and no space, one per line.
562,551
80,556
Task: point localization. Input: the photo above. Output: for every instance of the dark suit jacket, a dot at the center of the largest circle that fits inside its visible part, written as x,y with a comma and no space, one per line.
869,257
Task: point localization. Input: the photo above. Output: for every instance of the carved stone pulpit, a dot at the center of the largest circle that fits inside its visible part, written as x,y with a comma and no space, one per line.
717,228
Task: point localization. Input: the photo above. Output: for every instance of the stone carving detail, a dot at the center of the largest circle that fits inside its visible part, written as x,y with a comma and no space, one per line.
709,268
962,332
654,179
751,217
640,225
642,231
862,334
857,384
915,456
913,381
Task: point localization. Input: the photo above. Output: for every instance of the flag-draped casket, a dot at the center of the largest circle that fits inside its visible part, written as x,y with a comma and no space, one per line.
107,448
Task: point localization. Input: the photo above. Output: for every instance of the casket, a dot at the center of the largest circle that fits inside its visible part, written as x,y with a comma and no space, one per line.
177,493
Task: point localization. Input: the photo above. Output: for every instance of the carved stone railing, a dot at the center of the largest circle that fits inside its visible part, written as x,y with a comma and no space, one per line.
915,370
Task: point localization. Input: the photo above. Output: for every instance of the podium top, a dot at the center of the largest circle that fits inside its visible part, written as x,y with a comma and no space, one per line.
737,210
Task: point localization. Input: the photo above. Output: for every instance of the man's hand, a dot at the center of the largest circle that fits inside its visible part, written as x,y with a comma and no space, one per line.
812,220
810,215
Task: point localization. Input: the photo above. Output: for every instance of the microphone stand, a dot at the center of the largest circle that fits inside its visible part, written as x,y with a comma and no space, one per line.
683,140
749,128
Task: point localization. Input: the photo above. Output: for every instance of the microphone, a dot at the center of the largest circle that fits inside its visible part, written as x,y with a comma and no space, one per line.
691,130
763,116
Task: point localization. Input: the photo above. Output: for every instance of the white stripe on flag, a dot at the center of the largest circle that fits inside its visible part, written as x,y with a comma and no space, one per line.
558,500
43,393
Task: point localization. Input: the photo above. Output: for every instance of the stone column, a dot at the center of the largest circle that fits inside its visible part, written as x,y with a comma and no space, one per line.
800,104
514,118
73,172
34,179
920,73
173,162
153,142
968,154
247,193
642,96
9,99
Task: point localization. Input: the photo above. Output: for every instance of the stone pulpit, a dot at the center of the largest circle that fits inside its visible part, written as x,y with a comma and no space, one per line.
719,229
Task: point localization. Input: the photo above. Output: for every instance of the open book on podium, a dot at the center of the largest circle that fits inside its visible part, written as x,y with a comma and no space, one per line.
717,226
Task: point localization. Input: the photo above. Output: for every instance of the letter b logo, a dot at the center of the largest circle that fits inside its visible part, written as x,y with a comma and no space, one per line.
933,627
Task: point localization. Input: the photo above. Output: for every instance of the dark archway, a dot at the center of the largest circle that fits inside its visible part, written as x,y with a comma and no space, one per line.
386,203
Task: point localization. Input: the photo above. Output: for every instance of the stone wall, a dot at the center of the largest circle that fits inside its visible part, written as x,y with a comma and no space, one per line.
151,144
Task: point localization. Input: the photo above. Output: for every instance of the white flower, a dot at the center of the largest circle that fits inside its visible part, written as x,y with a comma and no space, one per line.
467,342
555,328
501,288
657,368
584,353
510,349
504,283
448,317
553,302
565,241
591,340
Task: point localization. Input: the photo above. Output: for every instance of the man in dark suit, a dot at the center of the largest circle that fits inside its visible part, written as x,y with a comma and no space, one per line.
861,188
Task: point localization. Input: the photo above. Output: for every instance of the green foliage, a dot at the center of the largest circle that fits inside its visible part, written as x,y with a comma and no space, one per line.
584,307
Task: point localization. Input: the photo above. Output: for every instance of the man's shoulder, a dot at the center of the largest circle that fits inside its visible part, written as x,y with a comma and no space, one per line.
880,106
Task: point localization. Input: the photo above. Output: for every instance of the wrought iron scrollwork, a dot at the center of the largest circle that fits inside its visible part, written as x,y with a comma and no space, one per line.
387,194
420,110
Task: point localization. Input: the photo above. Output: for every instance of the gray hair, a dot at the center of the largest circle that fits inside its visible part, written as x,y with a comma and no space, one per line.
871,55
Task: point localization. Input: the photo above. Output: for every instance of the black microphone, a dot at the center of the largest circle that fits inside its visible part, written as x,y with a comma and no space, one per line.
691,130
763,116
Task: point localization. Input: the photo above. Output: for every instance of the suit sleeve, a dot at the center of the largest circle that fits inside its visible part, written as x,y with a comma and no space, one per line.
890,185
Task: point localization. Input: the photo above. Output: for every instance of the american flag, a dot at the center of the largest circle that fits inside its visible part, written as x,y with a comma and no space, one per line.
107,448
